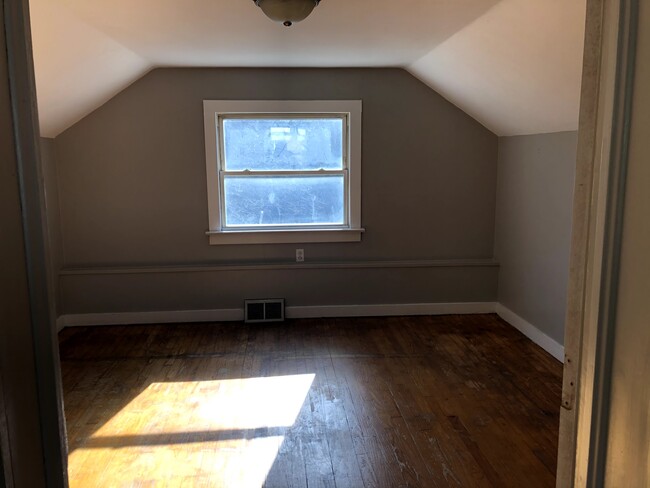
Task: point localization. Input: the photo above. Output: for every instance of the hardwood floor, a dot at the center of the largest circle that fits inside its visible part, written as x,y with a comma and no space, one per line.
369,402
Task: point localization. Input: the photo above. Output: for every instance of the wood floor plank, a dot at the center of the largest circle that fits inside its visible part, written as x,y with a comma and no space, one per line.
445,401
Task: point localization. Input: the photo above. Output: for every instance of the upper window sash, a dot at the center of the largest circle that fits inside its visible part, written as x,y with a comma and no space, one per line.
307,172
286,137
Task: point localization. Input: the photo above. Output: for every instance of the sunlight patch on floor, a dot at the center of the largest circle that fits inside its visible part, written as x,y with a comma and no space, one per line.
202,433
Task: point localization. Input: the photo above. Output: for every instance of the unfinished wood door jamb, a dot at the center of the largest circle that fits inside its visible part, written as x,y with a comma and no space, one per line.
604,119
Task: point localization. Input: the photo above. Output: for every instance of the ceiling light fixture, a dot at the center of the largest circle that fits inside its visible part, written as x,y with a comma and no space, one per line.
287,11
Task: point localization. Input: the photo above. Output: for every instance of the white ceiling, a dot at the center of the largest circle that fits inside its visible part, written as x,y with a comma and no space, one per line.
514,65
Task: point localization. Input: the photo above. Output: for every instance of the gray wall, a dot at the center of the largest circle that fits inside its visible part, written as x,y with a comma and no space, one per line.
51,188
133,193
533,226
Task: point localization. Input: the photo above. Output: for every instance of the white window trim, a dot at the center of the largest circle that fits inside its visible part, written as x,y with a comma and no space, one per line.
351,232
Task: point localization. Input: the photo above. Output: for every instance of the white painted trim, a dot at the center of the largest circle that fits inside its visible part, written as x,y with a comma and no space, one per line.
526,328
351,110
386,310
301,235
317,311
163,317
236,314
551,346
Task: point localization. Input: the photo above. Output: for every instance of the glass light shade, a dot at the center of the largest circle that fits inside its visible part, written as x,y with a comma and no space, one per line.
287,11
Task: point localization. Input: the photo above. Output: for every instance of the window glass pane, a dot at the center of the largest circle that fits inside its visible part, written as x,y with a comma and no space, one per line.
283,144
283,200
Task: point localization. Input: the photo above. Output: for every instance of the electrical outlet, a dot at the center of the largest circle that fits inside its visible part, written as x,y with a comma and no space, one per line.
300,255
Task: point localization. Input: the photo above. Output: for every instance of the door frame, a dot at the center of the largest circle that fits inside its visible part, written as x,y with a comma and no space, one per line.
604,118
608,71
32,425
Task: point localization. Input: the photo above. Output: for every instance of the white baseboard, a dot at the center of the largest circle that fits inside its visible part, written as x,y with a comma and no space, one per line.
386,310
141,318
376,310
236,314
533,333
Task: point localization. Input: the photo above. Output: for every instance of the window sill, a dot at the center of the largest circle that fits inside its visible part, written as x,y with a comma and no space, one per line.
284,236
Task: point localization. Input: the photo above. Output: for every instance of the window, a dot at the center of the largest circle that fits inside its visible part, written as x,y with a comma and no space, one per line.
283,171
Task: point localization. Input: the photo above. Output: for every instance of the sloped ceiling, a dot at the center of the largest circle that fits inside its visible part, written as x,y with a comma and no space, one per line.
514,65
